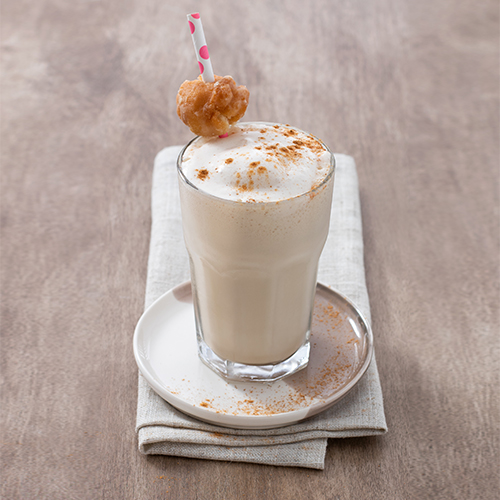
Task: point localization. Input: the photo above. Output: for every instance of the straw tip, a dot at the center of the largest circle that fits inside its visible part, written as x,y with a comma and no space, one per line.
196,15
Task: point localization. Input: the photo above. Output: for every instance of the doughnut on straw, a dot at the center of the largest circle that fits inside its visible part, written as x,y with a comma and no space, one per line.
200,47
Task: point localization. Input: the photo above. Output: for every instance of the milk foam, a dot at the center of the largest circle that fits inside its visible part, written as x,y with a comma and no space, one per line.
257,162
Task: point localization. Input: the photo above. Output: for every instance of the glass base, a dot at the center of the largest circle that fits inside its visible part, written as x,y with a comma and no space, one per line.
233,371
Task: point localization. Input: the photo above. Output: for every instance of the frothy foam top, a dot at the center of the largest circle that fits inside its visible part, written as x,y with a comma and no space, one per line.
257,162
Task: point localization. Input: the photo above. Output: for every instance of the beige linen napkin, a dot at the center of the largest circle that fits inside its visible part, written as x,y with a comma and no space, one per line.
164,430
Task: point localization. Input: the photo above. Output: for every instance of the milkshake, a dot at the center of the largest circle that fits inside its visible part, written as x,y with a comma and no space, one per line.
255,211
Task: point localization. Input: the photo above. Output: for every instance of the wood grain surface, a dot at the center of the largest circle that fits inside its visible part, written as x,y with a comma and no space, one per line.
410,89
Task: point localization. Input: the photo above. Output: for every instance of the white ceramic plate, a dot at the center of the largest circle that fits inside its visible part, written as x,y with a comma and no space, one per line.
167,355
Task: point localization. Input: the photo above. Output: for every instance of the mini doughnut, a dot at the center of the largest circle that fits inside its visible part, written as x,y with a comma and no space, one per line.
210,108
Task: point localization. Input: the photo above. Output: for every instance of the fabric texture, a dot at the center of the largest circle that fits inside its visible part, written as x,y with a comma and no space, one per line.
164,430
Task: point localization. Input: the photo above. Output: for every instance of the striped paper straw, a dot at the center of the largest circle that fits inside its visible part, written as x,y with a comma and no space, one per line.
200,47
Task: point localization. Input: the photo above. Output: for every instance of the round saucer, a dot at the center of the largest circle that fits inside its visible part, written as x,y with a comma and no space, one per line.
166,352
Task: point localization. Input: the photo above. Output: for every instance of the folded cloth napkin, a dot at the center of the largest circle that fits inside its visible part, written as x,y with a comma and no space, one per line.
164,430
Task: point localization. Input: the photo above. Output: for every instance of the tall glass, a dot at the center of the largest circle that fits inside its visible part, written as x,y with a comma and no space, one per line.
253,276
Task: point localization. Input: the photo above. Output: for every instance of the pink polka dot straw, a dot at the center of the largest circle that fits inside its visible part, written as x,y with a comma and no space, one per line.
200,47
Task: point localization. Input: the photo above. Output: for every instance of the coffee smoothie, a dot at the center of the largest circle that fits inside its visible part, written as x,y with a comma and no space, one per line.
255,210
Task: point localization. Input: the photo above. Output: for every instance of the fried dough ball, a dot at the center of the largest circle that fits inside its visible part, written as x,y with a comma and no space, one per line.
210,108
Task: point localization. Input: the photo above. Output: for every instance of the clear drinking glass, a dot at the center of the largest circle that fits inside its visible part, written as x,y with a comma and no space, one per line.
253,276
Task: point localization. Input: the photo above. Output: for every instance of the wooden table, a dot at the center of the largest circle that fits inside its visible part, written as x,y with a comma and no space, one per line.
410,89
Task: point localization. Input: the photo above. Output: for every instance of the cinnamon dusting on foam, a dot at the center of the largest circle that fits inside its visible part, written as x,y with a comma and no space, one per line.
203,174
232,167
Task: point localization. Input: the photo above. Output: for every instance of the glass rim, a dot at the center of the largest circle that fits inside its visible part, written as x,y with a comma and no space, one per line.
315,189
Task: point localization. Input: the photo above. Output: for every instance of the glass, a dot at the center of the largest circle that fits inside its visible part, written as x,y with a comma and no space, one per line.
253,276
